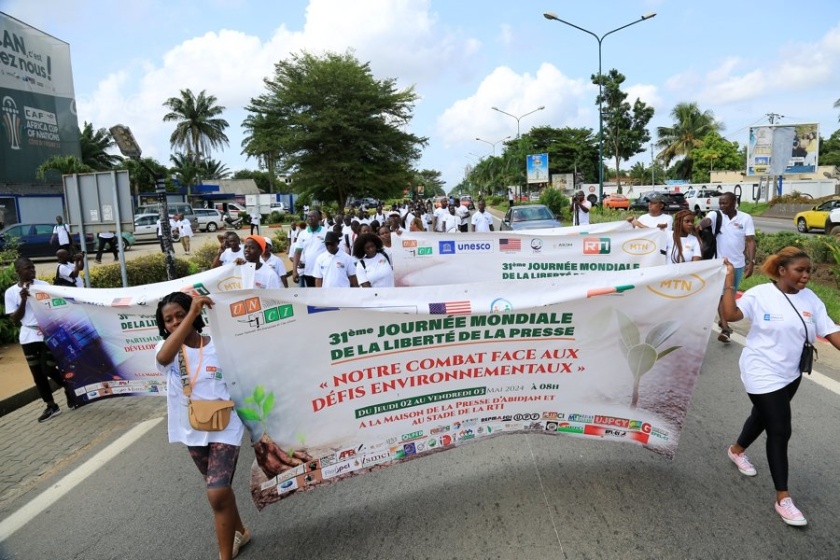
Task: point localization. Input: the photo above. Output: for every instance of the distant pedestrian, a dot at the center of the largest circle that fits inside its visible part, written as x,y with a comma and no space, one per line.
108,238
186,233
61,235
38,356
255,218
510,197
580,209
189,361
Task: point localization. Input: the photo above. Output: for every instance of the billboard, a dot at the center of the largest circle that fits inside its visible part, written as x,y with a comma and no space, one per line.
37,105
537,168
783,149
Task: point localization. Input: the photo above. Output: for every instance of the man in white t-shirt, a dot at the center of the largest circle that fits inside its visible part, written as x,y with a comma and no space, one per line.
450,221
38,356
463,213
186,232
106,238
265,277
334,268
69,270
735,242
61,234
230,251
310,244
482,221
580,209
173,230
255,218
439,215
656,218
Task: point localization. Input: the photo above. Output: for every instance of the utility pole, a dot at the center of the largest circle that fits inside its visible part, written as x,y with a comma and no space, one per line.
774,116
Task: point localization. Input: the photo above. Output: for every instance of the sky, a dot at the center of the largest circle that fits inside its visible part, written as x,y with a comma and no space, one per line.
740,60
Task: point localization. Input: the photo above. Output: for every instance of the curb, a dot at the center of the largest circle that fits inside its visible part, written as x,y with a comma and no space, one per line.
11,404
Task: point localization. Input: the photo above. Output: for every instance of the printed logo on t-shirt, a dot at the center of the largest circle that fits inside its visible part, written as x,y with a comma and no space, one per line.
773,317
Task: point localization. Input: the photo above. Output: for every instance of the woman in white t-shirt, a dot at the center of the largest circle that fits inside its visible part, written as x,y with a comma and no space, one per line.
214,453
769,362
373,266
683,245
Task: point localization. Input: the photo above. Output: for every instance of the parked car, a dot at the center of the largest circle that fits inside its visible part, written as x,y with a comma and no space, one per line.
616,201
674,202
817,217
209,219
534,196
145,227
703,200
33,240
529,216
128,240
174,209
279,207
832,223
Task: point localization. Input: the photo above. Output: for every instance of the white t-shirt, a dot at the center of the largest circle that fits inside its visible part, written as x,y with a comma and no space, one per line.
107,234
63,234
482,221
173,227
582,217
652,222
770,359
185,228
229,257
690,248
29,329
464,214
440,214
334,270
733,236
450,222
64,271
266,278
311,244
376,270
209,386
276,264
255,219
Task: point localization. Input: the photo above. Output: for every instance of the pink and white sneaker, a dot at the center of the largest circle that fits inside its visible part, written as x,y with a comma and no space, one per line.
741,461
790,513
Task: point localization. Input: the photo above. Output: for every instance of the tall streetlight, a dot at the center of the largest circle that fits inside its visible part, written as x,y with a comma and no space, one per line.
520,117
553,16
493,143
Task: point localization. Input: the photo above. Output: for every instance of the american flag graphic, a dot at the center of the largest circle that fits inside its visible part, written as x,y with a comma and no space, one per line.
510,244
450,308
121,302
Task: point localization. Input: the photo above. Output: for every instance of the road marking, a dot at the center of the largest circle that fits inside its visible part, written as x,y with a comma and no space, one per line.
28,512
820,379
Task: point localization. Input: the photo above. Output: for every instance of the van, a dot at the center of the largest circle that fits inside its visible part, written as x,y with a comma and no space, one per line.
174,209
232,208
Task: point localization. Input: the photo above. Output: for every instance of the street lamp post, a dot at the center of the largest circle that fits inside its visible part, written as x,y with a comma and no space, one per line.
553,16
129,148
493,143
520,117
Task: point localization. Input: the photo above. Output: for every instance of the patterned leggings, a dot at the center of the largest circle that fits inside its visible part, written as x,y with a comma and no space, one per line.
217,462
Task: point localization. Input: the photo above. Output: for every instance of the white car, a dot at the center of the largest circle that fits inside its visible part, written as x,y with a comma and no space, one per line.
279,207
209,219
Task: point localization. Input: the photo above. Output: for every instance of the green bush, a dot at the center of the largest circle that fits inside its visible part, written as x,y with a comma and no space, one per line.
148,269
279,241
8,330
495,200
202,258
599,214
556,201
819,247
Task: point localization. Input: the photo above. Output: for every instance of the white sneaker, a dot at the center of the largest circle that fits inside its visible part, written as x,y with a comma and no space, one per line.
790,513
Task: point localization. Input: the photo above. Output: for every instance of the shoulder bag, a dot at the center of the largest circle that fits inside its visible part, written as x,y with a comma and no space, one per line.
809,352
207,416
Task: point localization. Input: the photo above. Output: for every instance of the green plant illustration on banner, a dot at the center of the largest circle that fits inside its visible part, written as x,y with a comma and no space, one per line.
641,356
260,406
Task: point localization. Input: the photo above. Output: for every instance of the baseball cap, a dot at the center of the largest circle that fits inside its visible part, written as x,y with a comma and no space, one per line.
657,198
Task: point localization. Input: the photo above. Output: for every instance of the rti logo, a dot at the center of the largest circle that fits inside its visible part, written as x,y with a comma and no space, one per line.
596,245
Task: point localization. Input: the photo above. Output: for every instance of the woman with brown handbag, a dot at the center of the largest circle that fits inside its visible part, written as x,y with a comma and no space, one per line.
199,409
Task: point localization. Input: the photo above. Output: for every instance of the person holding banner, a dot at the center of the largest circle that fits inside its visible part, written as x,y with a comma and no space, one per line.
265,277
230,250
771,363
683,245
188,358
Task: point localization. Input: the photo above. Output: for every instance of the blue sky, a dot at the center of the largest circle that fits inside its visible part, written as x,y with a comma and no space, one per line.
740,60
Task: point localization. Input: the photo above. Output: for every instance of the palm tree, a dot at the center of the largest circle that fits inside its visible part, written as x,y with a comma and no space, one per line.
199,129
690,126
212,169
94,148
184,170
61,165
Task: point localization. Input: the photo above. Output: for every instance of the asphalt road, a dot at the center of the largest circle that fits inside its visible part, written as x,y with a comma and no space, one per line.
512,497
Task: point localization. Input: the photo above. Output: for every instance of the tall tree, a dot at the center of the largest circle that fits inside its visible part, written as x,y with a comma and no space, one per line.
625,126
830,149
95,144
261,178
259,142
213,169
184,170
139,176
715,152
687,133
568,149
199,128
342,131
431,182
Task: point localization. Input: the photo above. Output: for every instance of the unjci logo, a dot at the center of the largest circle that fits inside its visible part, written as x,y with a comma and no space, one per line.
638,246
678,287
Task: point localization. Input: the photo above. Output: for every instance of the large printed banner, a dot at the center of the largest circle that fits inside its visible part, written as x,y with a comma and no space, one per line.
783,149
426,259
335,383
104,339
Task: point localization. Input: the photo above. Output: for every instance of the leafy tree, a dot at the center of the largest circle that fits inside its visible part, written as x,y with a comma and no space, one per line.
95,146
830,149
184,170
715,152
56,166
687,133
342,132
568,149
625,127
260,142
261,178
199,128
139,176
212,169
431,181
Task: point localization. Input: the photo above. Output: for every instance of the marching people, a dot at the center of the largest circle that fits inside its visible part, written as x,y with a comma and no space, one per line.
265,277
683,245
275,263
188,359
310,244
40,360
230,250
482,221
784,315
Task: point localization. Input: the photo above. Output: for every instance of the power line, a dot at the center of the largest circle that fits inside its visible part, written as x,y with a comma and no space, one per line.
774,116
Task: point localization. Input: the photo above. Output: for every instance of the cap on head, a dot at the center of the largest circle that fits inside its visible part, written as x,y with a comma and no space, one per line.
268,241
258,239
331,237
657,198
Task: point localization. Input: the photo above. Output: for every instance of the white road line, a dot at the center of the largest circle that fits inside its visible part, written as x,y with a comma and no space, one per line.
28,512
820,379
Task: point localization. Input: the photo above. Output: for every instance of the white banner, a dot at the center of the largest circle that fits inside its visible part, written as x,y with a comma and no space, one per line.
104,339
427,259
334,383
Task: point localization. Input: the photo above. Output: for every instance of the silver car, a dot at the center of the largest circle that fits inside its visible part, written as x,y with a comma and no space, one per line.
209,219
529,216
